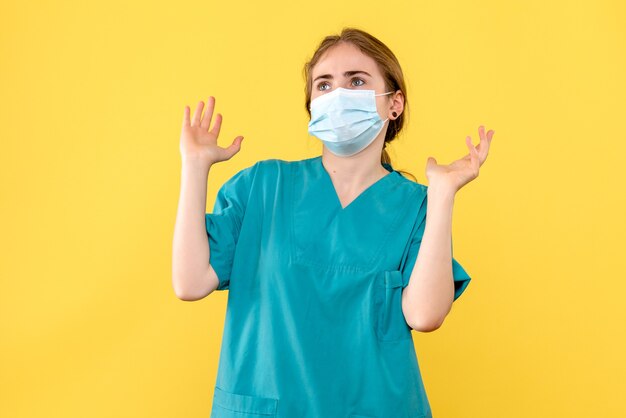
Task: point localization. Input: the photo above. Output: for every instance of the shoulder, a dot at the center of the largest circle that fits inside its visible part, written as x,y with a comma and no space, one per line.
269,166
260,168
277,163
415,197
261,174
272,165
276,168
413,189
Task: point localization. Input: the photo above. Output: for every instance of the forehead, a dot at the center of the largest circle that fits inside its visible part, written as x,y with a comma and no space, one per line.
344,57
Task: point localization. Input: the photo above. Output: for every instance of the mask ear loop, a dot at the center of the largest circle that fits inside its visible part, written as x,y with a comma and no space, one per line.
384,94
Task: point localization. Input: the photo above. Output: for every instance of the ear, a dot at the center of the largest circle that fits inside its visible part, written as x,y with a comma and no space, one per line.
397,105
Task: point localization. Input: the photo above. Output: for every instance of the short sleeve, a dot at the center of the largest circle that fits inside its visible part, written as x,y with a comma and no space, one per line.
224,224
460,276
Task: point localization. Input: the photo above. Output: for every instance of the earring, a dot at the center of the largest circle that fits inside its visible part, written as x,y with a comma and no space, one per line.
394,114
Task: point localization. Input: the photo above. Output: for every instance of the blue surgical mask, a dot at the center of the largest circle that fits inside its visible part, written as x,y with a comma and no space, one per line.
346,120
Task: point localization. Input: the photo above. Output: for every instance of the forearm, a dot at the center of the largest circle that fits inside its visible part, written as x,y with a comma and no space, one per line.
191,250
428,297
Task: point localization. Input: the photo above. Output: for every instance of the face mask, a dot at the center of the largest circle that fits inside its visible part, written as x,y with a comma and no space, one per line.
346,120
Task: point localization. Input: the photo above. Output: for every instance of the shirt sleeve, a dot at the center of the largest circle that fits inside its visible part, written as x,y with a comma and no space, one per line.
460,276
224,224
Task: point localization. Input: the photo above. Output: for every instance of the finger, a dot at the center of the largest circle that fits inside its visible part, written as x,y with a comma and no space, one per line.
472,149
186,121
197,113
468,142
475,156
208,113
233,148
480,147
481,132
217,125
483,145
484,149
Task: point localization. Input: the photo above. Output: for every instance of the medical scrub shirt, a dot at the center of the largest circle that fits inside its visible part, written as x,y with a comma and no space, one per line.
314,324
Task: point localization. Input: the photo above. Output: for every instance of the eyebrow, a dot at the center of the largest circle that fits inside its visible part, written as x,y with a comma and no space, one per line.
346,74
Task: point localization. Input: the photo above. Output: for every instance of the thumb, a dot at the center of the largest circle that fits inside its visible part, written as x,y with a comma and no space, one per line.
234,148
431,161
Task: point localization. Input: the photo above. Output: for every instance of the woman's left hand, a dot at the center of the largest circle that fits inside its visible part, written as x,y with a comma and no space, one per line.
462,171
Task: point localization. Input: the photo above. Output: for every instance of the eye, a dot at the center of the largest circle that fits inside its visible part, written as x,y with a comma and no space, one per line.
321,84
359,79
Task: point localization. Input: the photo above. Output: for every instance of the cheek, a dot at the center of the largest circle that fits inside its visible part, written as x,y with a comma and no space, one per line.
313,96
382,109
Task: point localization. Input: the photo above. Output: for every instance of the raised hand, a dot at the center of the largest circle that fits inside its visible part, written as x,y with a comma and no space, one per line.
462,171
197,142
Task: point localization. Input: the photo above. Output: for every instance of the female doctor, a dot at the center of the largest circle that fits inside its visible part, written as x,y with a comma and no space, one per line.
330,261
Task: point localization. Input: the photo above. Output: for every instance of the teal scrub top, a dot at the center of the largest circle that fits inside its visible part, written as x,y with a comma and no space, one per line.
314,324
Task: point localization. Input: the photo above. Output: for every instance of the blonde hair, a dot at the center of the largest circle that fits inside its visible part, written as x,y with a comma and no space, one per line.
388,65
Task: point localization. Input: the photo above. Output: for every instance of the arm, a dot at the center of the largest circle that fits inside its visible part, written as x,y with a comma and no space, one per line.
428,297
193,276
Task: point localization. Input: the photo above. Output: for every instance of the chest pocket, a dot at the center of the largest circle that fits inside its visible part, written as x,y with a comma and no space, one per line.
389,322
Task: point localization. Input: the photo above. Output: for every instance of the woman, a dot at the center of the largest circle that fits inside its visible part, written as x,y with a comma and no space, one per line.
330,261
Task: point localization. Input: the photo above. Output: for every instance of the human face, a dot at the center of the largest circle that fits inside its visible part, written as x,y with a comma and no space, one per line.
344,65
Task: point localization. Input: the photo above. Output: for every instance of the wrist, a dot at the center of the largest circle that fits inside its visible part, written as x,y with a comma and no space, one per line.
441,192
196,165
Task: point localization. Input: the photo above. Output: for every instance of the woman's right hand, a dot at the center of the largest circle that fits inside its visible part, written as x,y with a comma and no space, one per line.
198,143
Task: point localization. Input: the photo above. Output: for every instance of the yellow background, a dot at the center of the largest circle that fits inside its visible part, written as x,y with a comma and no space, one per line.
92,101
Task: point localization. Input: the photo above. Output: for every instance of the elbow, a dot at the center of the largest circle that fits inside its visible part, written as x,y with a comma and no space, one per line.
425,323
190,286
185,297
427,318
186,292
182,293
421,320
188,296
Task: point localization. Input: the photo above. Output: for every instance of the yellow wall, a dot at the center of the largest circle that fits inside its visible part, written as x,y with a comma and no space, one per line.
92,95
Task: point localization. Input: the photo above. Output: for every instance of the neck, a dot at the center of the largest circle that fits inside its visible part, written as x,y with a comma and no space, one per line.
354,171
